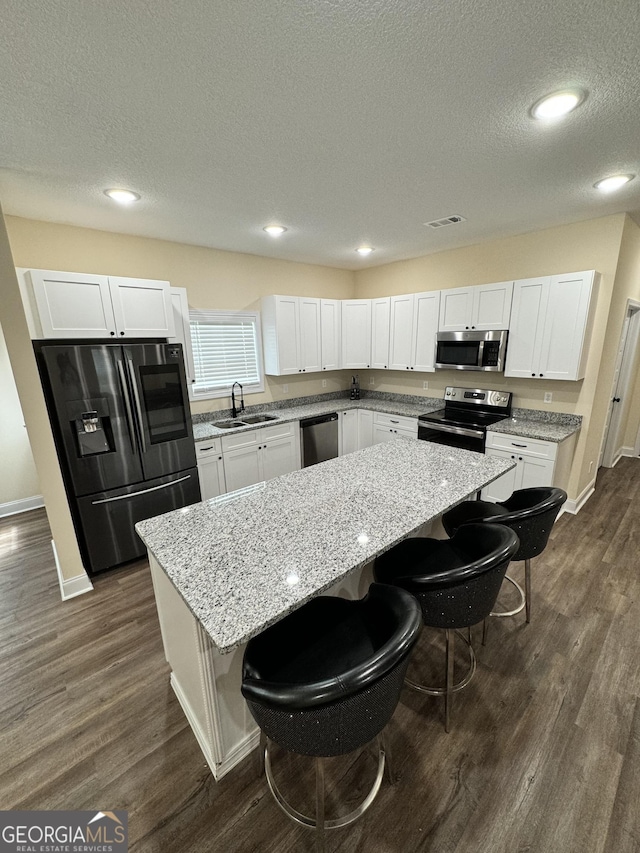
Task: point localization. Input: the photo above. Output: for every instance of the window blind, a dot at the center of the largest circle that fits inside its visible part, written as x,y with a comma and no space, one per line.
225,350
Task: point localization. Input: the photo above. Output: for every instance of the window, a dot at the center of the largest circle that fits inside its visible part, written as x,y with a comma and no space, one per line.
226,349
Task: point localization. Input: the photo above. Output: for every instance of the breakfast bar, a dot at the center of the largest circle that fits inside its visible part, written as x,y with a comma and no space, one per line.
225,569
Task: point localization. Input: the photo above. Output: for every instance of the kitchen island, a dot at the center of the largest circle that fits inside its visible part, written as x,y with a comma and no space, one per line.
225,569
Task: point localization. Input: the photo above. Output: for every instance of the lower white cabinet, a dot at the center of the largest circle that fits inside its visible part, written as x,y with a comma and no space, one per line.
261,454
539,463
389,427
356,430
210,468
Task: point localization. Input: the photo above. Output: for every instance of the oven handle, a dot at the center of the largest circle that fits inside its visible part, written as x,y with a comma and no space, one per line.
472,433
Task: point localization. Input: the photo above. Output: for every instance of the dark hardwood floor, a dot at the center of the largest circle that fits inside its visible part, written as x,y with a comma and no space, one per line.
543,756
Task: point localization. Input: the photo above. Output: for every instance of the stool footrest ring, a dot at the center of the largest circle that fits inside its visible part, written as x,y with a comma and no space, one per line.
523,601
441,691
335,823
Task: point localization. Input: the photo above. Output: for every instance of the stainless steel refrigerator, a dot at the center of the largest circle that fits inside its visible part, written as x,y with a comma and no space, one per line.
122,426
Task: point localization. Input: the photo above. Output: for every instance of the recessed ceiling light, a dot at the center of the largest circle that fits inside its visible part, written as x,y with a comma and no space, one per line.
558,104
364,250
274,230
609,185
122,196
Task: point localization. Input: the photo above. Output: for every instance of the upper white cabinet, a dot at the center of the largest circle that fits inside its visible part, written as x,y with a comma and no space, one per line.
291,334
356,333
485,307
75,305
414,324
182,335
380,312
550,326
330,325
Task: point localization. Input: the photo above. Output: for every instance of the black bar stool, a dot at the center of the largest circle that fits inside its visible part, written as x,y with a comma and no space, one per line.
326,679
531,513
456,581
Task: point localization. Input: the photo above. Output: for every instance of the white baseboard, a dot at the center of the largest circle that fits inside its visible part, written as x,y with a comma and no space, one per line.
71,587
22,505
574,506
628,451
235,756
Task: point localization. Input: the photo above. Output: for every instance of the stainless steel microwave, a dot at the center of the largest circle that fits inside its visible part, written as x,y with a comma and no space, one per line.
471,350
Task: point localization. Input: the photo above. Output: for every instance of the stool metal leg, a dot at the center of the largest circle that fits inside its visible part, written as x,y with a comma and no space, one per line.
449,642
485,630
320,834
527,587
385,746
260,753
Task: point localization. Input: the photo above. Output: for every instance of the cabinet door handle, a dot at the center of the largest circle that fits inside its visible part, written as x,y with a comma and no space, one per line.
202,449
394,422
515,444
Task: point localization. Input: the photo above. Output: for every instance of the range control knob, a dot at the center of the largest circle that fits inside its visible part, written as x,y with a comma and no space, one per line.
453,393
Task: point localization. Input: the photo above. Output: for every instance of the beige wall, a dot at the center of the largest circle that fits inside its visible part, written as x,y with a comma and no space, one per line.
580,246
213,279
27,381
18,477
627,286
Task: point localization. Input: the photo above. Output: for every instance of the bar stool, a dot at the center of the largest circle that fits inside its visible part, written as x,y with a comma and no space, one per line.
531,513
326,679
456,581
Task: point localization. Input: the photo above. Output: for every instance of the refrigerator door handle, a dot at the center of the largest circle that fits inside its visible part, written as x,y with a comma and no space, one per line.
136,398
141,492
127,406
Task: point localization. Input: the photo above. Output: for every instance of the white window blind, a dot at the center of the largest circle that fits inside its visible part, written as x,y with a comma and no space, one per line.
226,349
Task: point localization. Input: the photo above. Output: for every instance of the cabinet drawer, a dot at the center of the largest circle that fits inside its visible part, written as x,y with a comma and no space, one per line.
211,447
396,422
278,431
258,436
523,446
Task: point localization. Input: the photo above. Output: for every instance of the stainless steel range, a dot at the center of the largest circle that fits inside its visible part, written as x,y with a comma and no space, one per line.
467,414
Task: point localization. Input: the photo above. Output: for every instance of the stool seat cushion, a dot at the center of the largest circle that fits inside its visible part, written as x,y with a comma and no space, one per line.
329,648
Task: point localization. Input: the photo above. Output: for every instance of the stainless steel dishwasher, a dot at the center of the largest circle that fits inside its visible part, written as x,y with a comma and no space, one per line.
319,438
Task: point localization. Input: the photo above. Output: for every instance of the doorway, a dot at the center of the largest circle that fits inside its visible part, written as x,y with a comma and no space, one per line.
623,377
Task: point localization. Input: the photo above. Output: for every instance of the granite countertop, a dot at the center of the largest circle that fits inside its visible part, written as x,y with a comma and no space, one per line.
546,426
244,560
527,423
205,431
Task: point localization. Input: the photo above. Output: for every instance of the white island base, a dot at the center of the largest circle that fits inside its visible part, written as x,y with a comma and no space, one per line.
207,683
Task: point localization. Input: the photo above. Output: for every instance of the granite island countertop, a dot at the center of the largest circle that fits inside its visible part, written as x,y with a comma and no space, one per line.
244,560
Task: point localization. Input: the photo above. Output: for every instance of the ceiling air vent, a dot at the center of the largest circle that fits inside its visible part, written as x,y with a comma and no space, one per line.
448,220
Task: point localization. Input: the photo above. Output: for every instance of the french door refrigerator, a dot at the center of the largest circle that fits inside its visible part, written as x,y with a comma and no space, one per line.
122,426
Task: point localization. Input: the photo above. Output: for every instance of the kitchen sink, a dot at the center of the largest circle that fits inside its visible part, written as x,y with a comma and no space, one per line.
228,424
258,419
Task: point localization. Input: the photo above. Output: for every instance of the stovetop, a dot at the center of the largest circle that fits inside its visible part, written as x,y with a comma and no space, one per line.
471,407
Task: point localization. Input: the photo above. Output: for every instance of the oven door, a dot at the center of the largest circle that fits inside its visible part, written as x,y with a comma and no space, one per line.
466,438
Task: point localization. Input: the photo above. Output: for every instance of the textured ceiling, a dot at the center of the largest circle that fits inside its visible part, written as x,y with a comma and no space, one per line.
348,121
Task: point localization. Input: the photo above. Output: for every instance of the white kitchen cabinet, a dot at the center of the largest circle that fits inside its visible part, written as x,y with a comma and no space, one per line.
551,325
291,334
180,307
388,427
210,468
78,305
414,324
356,333
348,431
380,313
365,428
252,456
539,463
330,325
485,307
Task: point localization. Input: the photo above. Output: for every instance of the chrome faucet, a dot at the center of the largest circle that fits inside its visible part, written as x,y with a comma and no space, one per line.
236,411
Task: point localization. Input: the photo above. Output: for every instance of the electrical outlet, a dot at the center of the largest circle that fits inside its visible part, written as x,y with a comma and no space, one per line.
324,383
548,396
372,380
285,388
425,385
